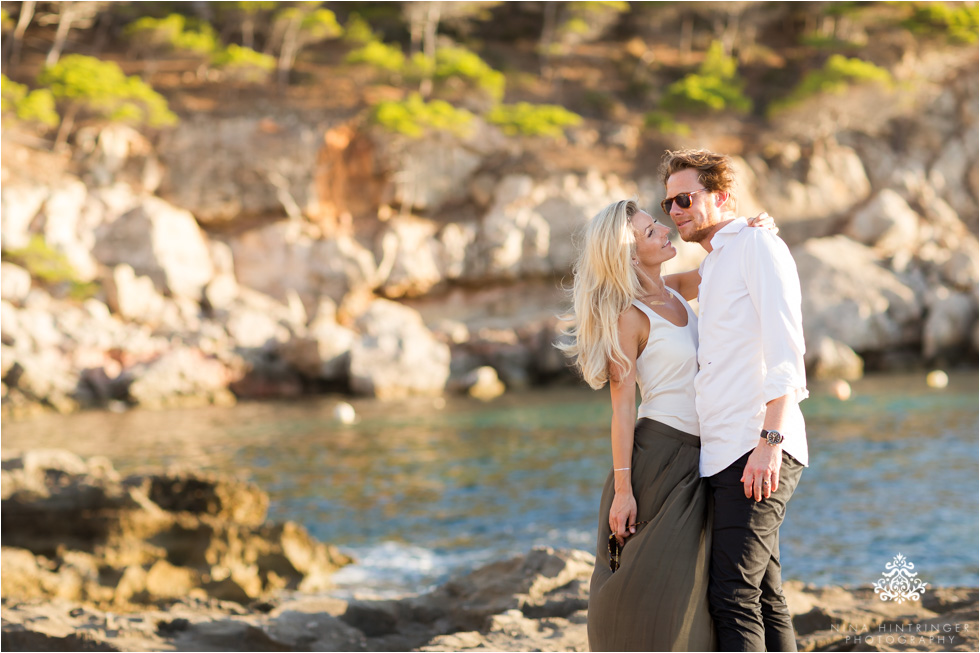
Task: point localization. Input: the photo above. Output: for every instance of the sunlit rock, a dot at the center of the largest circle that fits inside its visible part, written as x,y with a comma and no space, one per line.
162,242
850,297
396,356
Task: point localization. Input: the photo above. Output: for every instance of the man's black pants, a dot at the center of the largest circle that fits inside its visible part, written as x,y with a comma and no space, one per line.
745,590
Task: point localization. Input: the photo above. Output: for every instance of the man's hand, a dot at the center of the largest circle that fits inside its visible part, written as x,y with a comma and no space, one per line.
761,474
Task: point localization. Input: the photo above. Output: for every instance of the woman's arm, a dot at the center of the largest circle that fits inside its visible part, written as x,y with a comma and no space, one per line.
622,391
685,283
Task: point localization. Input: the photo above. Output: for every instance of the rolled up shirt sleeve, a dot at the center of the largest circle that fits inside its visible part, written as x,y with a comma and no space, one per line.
774,287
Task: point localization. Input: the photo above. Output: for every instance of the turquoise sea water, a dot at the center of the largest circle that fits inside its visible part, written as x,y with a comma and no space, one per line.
419,490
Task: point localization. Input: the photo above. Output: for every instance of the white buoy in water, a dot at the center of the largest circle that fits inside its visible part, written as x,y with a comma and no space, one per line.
937,379
841,389
344,413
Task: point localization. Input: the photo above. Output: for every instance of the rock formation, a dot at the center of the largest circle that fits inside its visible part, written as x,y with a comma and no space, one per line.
76,530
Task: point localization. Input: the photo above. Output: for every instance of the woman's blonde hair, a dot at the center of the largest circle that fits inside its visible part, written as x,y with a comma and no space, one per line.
605,284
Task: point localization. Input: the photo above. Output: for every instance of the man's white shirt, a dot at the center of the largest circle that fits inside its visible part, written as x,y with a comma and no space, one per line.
750,332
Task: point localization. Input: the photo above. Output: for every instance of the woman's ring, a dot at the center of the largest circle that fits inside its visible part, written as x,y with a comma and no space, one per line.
765,482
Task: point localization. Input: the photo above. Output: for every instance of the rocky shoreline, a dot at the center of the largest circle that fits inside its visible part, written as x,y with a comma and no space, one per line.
535,602
184,561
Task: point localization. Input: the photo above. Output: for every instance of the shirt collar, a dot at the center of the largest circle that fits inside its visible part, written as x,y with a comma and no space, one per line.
727,232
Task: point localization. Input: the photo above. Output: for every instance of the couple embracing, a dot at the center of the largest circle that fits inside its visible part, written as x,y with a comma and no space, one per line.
688,544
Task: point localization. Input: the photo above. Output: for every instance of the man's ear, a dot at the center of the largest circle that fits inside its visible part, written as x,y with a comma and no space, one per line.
721,198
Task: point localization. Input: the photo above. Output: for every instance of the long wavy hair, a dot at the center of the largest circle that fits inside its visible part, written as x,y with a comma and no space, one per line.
605,284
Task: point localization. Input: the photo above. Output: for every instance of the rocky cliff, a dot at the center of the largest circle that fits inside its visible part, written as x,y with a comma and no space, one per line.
275,252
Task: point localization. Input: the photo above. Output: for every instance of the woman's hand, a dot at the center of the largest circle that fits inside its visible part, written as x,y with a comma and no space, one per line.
622,515
764,221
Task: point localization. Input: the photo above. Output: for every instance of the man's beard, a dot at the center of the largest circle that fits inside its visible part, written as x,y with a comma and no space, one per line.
698,236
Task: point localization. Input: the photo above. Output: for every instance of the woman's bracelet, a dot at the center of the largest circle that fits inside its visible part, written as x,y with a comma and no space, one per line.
621,469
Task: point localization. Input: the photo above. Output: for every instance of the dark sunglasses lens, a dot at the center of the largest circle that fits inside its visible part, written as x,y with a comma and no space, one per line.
683,200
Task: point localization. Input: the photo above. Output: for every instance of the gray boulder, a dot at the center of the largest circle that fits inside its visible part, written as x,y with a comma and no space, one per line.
887,223
849,297
396,355
159,241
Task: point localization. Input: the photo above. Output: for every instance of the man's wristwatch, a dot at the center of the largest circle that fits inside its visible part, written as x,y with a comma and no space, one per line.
772,438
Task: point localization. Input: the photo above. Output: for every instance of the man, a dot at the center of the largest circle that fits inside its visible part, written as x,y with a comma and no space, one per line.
748,388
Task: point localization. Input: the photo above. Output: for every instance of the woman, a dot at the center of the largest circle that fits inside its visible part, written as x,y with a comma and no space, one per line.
633,326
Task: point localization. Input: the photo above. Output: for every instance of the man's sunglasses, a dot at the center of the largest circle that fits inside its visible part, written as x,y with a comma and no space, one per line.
683,200
615,548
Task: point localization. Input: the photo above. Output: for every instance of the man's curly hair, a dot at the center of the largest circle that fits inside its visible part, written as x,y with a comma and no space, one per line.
715,171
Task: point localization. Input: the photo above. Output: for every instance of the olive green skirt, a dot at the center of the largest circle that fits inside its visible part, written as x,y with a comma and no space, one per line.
658,598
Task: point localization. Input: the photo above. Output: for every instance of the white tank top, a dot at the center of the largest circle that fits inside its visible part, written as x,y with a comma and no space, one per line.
666,369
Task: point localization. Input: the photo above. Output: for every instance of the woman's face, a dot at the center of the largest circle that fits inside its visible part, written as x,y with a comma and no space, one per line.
653,245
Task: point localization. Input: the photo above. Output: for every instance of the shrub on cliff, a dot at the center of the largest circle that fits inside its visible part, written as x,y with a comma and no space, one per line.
35,106
958,24
50,267
89,87
296,27
244,64
413,117
529,119
715,87
376,54
665,123
457,63
358,30
836,75
175,33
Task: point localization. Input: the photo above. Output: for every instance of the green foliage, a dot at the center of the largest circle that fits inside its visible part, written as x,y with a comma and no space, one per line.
102,89
380,55
5,21
251,8
665,123
315,25
35,106
11,93
50,266
358,30
533,119
458,63
820,42
244,63
582,15
420,67
959,24
715,87
414,116
836,75
174,33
